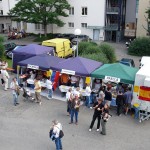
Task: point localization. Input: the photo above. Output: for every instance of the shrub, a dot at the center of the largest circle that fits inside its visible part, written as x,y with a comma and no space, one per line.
83,47
109,52
92,49
97,56
140,47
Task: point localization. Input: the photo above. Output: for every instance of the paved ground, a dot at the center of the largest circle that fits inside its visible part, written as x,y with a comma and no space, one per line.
26,126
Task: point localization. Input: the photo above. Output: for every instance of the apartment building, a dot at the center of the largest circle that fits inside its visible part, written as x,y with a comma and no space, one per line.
141,21
99,19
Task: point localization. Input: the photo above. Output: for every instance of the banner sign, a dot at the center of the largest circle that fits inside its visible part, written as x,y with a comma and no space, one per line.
112,79
68,71
144,93
33,67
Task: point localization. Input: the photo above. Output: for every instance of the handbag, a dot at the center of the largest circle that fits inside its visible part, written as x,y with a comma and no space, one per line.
52,135
61,133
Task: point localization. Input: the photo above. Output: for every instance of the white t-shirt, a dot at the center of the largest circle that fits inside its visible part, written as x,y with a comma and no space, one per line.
56,129
73,79
101,95
48,84
88,91
81,83
68,95
13,86
4,74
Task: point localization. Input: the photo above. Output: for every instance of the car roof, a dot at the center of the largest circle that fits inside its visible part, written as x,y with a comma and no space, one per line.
126,59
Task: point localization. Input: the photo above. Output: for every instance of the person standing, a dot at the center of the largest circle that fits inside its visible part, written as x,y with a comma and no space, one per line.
37,89
120,101
108,96
14,87
56,130
49,86
98,106
75,104
74,81
101,94
88,94
105,117
5,77
69,98
128,99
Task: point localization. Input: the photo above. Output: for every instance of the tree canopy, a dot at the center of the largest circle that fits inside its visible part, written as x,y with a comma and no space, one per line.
40,12
148,21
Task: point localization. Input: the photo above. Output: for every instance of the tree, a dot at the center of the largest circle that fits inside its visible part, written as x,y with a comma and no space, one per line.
1,47
148,21
40,12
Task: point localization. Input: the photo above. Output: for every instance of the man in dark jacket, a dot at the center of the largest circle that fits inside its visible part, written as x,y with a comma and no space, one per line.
120,101
98,106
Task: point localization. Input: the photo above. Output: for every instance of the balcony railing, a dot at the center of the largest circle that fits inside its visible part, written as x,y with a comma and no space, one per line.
112,10
111,27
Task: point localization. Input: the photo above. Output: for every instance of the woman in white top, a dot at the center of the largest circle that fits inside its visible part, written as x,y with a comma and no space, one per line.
49,86
101,93
5,77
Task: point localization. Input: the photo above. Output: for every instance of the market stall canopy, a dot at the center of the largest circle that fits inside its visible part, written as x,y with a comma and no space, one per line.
77,66
116,73
28,51
42,62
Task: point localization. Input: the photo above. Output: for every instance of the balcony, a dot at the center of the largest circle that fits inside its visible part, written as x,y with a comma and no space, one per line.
112,10
111,27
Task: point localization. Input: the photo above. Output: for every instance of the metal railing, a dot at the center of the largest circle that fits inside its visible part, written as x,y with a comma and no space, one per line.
112,10
111,27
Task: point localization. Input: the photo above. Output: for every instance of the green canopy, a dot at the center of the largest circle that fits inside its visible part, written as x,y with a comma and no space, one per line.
117,72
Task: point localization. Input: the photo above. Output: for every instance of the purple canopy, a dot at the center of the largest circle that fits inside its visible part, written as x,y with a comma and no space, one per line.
44,62
28,51
81,66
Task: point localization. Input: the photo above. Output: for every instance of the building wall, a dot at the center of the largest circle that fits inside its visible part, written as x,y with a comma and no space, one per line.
95,17
143,5
131,11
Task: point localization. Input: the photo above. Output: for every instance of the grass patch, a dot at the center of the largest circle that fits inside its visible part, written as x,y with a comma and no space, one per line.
9,61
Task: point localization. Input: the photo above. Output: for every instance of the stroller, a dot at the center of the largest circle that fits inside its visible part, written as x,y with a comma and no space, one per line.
27,94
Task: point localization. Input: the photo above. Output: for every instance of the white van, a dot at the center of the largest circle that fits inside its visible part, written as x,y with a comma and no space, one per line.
145,61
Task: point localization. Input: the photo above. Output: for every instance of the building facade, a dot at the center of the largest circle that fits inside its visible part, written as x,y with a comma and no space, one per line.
141,21
99,19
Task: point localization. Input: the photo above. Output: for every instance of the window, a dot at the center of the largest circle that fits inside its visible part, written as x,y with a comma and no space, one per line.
1,12
70,24
84,11
37,26
71,11
43,27
84,25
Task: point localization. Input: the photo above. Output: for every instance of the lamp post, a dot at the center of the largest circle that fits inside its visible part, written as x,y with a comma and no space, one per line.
77,32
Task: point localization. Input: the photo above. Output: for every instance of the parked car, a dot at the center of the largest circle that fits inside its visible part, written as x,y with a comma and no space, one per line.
80,38
69,36
57,35
127,62
9,47
9,53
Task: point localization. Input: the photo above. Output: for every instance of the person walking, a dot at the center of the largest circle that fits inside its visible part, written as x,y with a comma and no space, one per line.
75,104
56,126
69,99
108,96
128,99
120,101
15,87
105,117
5,77
98,106
37,89
49,86
88,94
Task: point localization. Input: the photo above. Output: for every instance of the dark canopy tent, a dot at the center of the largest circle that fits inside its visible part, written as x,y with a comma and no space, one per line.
81,66
125,73
28,51
43,61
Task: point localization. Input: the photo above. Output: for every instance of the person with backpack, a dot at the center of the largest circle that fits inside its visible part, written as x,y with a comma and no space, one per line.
56,129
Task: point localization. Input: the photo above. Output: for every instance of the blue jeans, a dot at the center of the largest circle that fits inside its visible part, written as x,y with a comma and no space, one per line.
50,92
15,98
74,112
136,114
58,143
88,101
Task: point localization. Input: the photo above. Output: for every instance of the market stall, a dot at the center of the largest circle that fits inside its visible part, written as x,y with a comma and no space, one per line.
31,50
79,67
116,73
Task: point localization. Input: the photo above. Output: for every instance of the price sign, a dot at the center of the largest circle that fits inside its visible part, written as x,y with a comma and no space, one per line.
33,67
112,79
